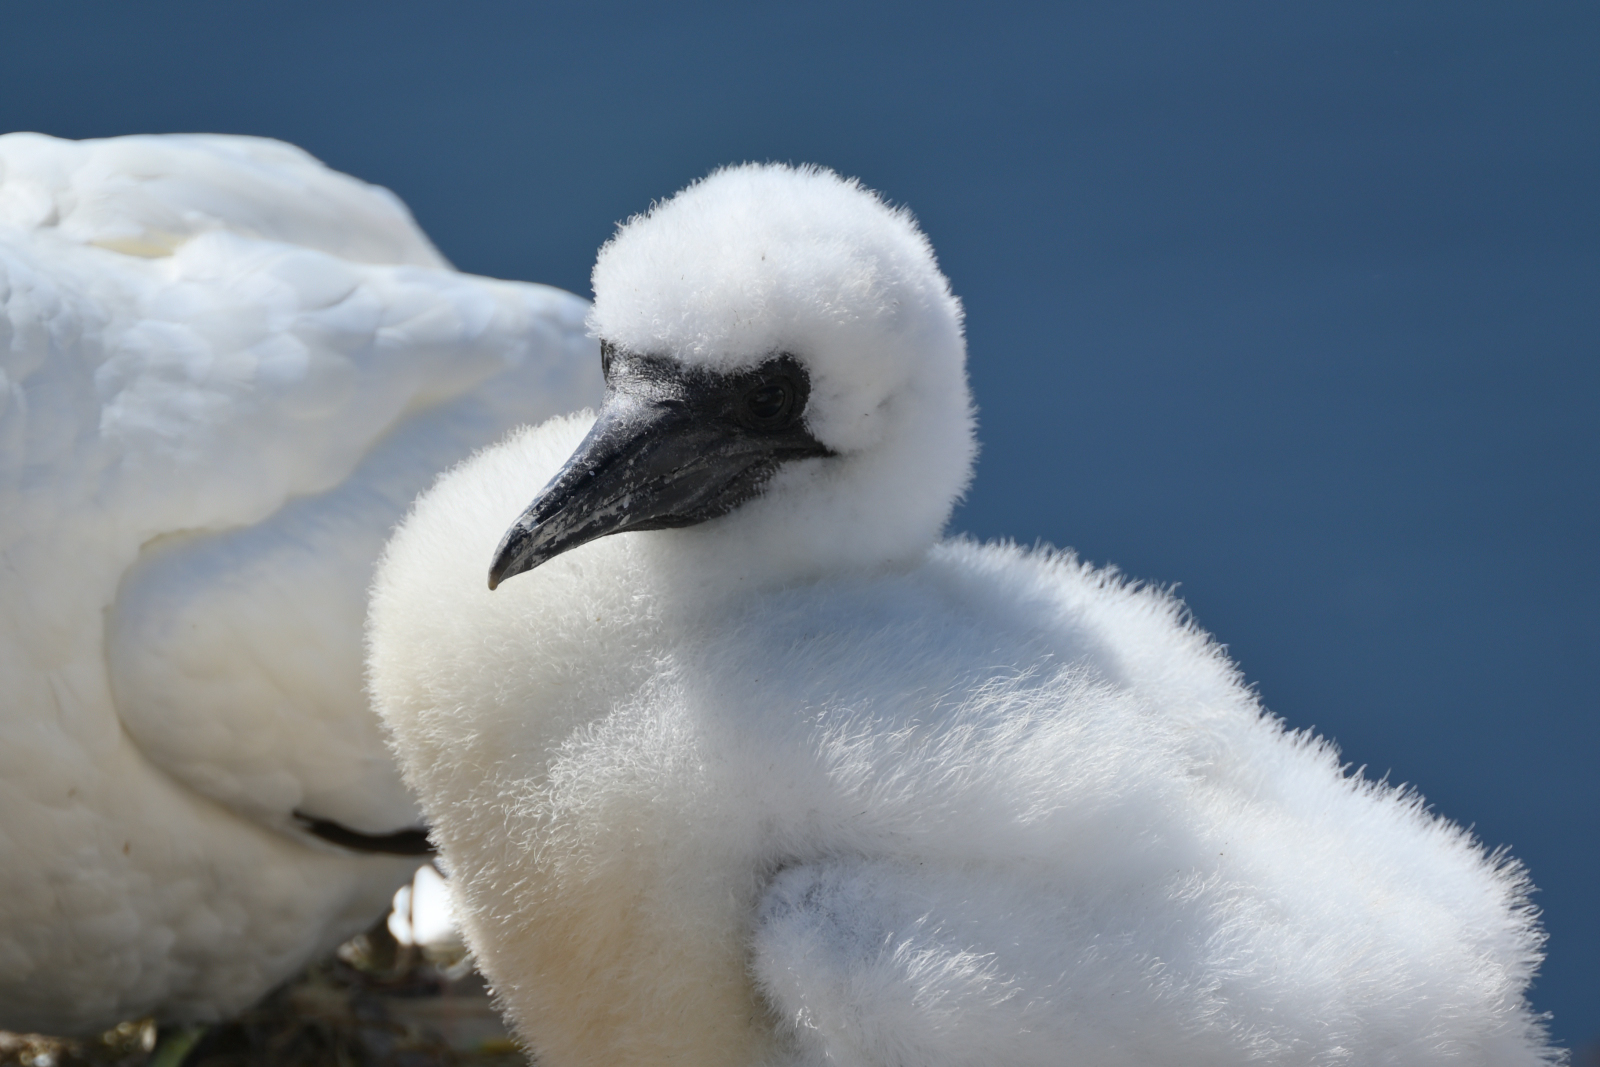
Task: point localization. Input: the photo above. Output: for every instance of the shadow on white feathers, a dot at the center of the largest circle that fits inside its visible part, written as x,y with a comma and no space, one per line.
774,775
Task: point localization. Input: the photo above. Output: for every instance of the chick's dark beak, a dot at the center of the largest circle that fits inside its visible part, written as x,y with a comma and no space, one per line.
671,447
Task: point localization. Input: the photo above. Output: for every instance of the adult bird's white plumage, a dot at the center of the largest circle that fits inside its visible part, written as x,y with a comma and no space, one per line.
224,372
750,767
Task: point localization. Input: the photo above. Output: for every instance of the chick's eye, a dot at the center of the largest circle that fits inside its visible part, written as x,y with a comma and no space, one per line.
769,403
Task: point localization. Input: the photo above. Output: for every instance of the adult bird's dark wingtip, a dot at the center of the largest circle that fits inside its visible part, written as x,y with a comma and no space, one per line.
412,841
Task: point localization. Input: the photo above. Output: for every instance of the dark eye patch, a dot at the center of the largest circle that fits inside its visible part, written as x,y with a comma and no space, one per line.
768,398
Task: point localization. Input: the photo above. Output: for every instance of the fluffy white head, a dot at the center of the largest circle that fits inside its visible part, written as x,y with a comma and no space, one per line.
758,260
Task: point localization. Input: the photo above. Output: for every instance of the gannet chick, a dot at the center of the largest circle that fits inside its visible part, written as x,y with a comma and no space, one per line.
742,764
225,371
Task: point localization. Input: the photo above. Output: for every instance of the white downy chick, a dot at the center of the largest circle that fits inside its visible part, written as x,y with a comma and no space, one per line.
743,765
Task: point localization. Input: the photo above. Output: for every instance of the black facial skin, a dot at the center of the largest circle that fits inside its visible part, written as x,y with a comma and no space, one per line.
671,447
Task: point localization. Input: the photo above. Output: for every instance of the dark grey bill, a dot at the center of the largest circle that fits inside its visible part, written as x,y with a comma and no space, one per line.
671,447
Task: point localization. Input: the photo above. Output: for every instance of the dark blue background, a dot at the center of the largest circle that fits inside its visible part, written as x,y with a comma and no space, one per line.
1295,305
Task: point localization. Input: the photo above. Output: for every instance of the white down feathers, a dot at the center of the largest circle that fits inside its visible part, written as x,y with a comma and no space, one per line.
735,795
224,371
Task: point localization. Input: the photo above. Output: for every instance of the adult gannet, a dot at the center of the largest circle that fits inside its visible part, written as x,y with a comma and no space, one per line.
749,767
224,372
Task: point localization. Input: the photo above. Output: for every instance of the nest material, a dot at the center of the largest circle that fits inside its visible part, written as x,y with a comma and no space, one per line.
374,1004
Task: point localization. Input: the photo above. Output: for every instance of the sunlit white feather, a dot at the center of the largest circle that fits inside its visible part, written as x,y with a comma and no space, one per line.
224,370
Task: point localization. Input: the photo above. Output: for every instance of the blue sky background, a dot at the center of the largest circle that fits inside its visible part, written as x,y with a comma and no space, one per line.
1295,305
